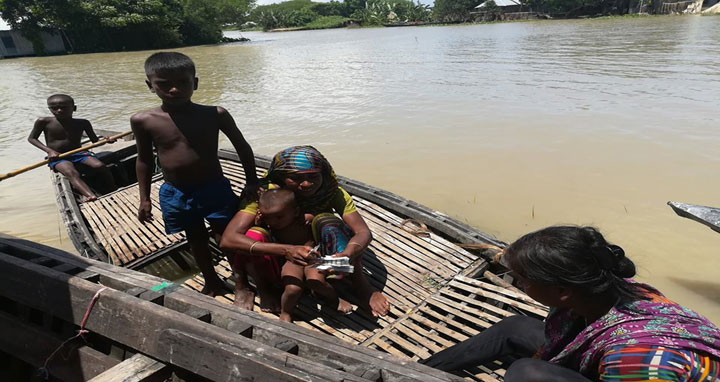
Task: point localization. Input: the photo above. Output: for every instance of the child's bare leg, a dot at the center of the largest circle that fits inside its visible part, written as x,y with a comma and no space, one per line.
198,239
260,270
316,281
292,275
244,296
99,168
373,299
68,169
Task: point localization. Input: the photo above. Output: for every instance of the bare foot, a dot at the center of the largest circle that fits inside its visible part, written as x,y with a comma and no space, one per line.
378,304
269,300
285,317
344,307
244,298
89,198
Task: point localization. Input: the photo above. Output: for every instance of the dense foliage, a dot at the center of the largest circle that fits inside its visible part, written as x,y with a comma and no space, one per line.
454,10
112,25
311,15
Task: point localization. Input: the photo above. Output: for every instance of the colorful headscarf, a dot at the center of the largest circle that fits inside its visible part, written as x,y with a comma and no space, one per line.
656,321
301,159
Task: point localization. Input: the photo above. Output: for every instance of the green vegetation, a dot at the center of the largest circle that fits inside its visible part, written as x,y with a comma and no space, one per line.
327,22
114,25
306,14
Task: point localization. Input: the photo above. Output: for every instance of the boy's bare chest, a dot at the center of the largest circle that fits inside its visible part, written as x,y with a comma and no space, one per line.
55,131
193,132
296,234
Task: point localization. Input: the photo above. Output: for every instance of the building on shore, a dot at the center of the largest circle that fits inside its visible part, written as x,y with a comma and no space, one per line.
14,44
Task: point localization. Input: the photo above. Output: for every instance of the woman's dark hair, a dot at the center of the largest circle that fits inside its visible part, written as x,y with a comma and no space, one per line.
574,256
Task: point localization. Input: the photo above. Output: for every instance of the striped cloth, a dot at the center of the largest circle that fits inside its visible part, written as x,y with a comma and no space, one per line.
657,363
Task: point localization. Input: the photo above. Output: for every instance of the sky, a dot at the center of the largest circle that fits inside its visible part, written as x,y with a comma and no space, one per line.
3,25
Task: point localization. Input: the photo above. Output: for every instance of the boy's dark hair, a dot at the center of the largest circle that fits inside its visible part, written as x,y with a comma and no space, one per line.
168,62
574,256
277,197
61,97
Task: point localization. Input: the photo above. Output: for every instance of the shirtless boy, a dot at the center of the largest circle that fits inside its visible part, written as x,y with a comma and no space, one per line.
278,211
185,135
62,134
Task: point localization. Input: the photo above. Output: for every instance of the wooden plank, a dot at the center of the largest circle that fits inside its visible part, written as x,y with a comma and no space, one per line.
312,345
444,319
475,303
495,296
75,364
68,297
138,368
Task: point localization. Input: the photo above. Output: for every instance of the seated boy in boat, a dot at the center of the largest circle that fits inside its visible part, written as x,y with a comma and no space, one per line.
62,134
185,135
278,211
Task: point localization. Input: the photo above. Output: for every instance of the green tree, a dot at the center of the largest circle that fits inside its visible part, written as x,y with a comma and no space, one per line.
111,25
454,10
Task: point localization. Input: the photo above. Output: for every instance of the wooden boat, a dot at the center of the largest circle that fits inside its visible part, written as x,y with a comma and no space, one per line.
143,328
709,216
440,292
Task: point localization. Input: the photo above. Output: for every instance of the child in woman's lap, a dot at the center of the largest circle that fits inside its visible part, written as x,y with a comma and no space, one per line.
279,212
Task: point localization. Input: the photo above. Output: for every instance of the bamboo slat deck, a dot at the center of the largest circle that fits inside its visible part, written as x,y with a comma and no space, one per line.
433,303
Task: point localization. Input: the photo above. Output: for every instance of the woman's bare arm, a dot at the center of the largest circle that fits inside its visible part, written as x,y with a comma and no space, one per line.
234,239
361,237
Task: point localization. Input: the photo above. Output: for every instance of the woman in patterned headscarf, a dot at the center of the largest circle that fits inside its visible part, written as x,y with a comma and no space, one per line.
306,172
602,325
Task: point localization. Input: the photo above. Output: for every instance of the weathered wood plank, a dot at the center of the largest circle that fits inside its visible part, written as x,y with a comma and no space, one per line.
311,344
79,364
138,368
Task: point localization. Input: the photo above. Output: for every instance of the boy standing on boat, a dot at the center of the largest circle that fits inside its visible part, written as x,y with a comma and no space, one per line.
62,134
185,135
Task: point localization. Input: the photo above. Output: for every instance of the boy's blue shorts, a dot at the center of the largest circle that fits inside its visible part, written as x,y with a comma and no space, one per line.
182,209
74,158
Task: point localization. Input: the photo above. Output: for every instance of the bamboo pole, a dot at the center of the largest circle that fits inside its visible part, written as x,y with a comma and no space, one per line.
64,155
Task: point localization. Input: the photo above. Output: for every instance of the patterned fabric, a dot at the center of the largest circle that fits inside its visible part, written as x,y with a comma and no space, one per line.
657,363
305,159
656,321
331,233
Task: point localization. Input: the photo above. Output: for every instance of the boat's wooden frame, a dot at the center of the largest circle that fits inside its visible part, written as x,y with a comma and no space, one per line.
86,244
142,327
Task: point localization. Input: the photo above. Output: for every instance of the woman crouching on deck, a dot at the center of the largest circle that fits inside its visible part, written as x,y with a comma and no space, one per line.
602,326
306,172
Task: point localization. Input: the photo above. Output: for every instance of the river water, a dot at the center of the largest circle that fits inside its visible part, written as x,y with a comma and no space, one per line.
508,127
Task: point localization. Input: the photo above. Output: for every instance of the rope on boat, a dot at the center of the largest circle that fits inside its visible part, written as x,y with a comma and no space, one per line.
43,372
420,229
415,227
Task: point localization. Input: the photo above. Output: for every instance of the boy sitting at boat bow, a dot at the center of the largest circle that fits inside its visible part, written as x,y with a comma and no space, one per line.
185,135
62,134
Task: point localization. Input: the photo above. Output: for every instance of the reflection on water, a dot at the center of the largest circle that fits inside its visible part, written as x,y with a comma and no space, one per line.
509,127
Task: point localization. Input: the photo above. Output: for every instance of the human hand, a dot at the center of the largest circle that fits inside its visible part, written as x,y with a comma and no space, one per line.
299,254
250,191
111,140
53,155
145,212
309,218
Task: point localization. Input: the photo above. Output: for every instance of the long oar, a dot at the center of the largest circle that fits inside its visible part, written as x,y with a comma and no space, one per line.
63,155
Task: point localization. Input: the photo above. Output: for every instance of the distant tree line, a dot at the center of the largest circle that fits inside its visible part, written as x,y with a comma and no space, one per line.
303,13
115,25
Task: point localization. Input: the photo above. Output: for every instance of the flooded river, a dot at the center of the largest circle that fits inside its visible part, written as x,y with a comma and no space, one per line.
508,127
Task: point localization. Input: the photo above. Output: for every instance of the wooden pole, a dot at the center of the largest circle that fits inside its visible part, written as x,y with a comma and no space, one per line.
63,155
